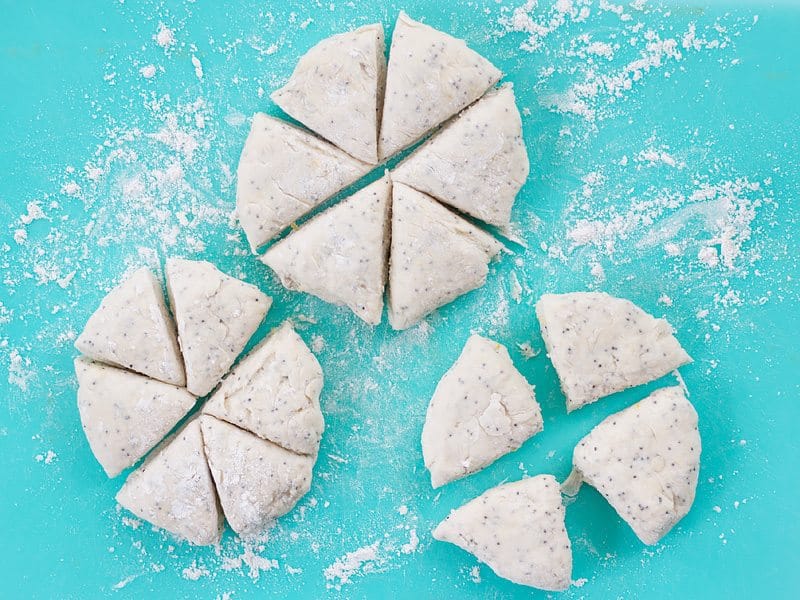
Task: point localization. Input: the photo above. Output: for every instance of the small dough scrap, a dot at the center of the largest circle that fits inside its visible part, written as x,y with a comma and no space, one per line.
340,255
600,344
336,90
274,393
257,481
477,163
132,329
284,173
645,461
216,316
518,530
436,256
431,76
124,414
174,490
482,409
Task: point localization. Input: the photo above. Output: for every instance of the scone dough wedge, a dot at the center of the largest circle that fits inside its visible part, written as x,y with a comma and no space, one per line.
436,256
174,490
518,530
132,329
274,393
336,90
482,409
340,255
477,163
216,315
284,172
257,481
431,76
600,344
644,460
124,414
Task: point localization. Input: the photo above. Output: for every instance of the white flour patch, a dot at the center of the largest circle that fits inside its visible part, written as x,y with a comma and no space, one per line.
358,562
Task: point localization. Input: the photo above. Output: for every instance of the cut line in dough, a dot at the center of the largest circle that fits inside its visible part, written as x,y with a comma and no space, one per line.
436,256
645,461
340,255
336,90
600,344
482,409
133,330
518,530
430,77
216,315
477,163
284,173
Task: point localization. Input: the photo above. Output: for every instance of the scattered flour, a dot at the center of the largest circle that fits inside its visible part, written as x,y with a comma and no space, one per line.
164,37
475,574
357,562
148,71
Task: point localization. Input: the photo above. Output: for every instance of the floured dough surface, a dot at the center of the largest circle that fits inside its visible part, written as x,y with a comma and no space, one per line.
216,315
336,90
124,414
257,481
431,76
274,393
645,460
518,530
600,344
477,163
174,490
284,172
132,329
482,409
340,255
436,256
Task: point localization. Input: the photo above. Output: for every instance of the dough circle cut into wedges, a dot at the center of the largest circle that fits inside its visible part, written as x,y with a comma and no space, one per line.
644,460
600,344
482,409
518,530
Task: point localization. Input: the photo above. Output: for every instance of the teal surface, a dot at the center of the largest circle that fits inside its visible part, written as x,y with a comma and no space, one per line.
660,150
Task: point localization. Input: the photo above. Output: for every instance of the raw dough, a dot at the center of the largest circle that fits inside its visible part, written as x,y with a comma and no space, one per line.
431,76
340,255
477,163
216,315
132,329
173,489
336,90
284,172
482,409
518,530
124,414
600,344
257,481
436,256
644,460
274,393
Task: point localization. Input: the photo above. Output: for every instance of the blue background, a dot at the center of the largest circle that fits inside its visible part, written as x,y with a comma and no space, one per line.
71,92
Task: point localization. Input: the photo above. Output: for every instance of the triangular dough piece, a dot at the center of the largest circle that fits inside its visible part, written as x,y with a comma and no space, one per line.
124,414
431,76
340,255
216,316
257,481
274,393
436,256
132,329
336,90
477,163
518,530
174,490
284,172
644,460
482,409
600,344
